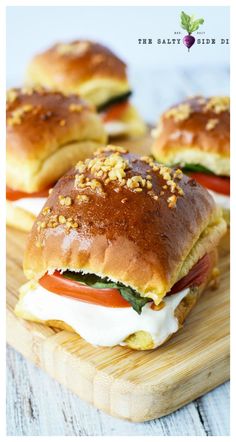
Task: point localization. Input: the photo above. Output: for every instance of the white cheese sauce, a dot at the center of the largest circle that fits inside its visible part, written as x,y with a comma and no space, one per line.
32,205
104,326
220,199
115,128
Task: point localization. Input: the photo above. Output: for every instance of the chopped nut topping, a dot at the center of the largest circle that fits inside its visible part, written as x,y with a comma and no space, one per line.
172,185
212,123
135,182
83,198
218,105
165,172
110,148
11,95
148,160
113,167
62,123
178,174
75,107
172,200
80,166
41,225
76,48
50,191
81,182
124,200
138,189
179,113
62,219
46,210
17,114
65,200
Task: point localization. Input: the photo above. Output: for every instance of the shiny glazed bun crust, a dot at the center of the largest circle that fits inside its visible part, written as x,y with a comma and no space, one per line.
47,133
125,217
81,66
196,131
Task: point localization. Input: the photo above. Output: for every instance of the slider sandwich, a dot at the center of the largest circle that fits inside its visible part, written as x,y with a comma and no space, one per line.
196,136
95,73
125,260
47,133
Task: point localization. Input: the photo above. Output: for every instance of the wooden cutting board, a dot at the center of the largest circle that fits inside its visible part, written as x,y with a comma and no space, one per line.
134,385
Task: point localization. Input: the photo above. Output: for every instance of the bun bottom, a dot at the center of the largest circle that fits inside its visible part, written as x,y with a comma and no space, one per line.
19,218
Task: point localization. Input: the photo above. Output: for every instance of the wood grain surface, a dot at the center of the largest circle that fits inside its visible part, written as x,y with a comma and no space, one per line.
37,405
133,385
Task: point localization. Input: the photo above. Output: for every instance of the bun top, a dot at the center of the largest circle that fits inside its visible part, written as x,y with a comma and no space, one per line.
39,122
80,66
121,216
198,124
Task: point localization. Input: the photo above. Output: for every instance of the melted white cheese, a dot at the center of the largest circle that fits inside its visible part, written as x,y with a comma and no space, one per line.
115,128
105,326
221,200
32,205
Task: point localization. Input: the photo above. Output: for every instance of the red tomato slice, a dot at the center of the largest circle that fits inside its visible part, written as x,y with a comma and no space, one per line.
109,297
213,182
114,112
195,277
14,195
60,285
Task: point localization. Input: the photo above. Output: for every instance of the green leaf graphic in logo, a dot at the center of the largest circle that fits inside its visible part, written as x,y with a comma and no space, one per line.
190,25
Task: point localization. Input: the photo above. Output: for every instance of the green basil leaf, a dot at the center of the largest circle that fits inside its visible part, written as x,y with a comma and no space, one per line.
91,280
196,168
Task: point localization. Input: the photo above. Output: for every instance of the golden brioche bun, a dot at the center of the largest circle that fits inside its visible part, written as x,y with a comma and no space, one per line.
18,217
47,133
196,131
127,218
82,67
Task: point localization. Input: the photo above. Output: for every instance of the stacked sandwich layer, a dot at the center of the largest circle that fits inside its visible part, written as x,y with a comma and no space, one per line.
95,73
195,135
121,251
47,132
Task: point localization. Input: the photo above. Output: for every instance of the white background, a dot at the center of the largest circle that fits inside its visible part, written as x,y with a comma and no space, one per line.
160,75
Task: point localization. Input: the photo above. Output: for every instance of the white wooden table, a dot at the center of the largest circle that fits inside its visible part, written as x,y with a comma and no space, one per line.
39,406
36,404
